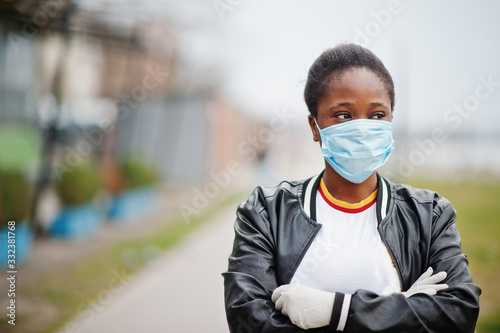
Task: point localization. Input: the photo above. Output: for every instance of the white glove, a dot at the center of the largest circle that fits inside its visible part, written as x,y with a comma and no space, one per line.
427,284
306,307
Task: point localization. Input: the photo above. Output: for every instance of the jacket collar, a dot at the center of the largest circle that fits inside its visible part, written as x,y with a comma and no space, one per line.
383,198
311,189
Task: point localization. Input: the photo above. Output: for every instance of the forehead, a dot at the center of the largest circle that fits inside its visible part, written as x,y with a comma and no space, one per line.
357,80
358,87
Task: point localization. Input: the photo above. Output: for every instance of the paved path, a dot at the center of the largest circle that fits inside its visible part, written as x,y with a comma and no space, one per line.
182,292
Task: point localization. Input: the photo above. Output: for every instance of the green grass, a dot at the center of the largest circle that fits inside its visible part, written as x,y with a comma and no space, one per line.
87,285
478,211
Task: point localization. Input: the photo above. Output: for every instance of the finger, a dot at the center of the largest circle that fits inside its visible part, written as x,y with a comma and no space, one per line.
429,291
279,304
439,287
430,286
297,322
438,277
284,309
426,274
278,291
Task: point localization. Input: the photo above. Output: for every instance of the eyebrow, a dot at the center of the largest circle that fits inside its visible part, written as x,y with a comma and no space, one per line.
350,104
378,104
342,104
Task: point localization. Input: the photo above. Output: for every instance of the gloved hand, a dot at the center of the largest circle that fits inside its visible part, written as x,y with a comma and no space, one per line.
427,284
306,307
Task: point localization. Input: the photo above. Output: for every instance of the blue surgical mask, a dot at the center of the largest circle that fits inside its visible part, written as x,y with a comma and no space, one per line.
357,148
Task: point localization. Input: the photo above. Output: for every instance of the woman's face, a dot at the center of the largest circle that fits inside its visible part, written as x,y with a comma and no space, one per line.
357,94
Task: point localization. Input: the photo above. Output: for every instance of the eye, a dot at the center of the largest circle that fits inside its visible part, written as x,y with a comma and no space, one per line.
343,115
378,115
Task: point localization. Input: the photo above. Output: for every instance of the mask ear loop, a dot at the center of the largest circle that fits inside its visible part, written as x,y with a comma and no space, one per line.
319,129
317,126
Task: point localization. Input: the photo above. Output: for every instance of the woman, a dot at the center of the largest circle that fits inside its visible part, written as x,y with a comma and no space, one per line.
348,250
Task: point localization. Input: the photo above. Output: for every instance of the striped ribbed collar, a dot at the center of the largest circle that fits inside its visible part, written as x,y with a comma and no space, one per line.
345,206
311,189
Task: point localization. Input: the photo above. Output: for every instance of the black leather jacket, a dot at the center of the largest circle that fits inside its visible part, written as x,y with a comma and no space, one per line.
275,227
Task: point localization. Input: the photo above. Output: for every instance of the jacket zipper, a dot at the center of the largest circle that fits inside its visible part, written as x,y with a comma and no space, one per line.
313,236
391,255
309,242
384,239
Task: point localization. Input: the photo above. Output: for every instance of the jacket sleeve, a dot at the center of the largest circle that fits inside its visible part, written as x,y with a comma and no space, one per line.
454,309
251,278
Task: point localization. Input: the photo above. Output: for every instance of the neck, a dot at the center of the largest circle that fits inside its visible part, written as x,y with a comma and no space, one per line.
344,190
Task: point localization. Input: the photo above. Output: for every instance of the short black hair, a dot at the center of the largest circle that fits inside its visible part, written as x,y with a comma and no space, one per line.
334,62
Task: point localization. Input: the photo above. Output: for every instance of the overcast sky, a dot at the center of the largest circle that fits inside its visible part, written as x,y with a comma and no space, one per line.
444,57
435,50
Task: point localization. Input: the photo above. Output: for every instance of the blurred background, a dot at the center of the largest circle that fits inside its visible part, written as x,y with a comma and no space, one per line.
130,130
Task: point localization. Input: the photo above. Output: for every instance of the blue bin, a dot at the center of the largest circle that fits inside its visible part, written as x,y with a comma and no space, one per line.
132,205
24,242
76,222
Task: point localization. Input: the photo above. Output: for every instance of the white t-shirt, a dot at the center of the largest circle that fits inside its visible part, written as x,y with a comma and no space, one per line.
348,253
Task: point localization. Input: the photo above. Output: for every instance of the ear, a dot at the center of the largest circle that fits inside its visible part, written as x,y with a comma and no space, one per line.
314,129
